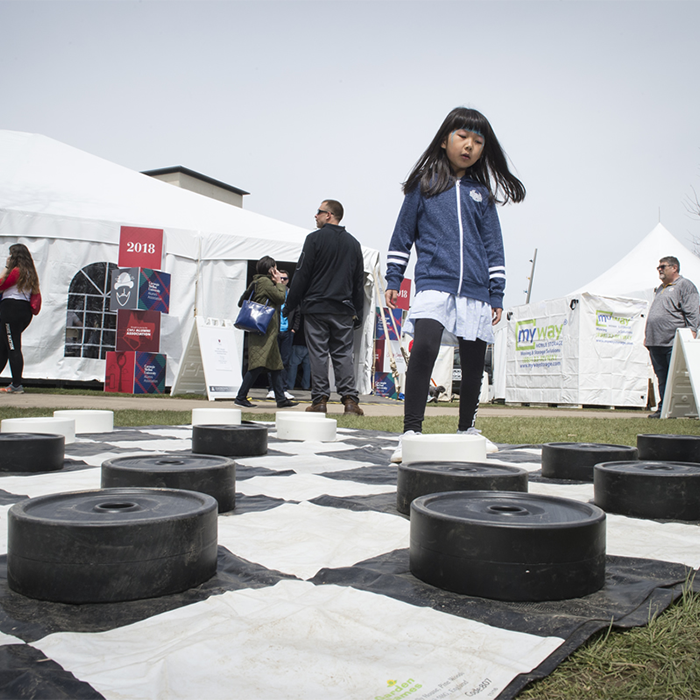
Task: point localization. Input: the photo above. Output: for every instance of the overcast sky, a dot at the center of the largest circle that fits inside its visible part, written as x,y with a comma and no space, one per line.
596,103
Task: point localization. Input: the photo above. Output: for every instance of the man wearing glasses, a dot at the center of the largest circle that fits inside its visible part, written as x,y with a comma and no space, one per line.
328,285
676,305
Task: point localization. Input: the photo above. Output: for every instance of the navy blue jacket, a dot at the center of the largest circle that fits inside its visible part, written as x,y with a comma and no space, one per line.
458,242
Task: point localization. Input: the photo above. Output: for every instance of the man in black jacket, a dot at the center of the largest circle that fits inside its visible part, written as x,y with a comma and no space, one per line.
329,286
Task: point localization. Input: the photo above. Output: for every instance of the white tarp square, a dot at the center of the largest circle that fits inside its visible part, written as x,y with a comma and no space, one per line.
302,539
297,641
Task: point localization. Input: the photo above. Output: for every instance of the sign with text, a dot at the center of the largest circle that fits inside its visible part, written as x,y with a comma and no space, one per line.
398,317
379,354
211,362
135,372
141,247
149,373
404,298
140,290
222,367
119,372
539,343
138,331
384,385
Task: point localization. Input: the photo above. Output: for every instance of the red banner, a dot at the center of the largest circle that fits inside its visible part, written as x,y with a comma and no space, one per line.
138,331
119,372
404,295
141,247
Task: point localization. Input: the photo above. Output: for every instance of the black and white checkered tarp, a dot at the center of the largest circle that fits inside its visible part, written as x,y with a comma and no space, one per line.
313,597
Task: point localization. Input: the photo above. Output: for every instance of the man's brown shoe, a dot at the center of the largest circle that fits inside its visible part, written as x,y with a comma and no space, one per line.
351,406
319,406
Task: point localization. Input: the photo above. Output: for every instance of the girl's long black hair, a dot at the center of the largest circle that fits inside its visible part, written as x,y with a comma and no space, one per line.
434,175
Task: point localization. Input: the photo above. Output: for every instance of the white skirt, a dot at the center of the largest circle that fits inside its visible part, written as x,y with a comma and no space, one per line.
462,317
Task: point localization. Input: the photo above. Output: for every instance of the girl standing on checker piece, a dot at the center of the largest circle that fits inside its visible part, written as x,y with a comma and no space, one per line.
449,214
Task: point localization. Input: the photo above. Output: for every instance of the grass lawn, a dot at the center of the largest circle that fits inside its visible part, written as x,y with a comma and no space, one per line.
660,661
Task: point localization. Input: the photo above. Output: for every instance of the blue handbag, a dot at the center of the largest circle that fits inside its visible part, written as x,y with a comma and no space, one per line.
254,317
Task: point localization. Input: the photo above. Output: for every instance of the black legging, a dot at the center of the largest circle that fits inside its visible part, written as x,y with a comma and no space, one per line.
426,345
15,316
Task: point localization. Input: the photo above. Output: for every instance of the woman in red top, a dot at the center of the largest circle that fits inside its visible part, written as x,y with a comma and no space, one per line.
18,281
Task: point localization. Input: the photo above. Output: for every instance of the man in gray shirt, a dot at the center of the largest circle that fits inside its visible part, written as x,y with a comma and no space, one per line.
676,304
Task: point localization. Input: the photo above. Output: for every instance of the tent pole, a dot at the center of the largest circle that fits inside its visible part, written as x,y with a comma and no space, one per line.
531,277
197,274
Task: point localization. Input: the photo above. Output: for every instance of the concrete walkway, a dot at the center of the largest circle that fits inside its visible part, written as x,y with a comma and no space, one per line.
372,405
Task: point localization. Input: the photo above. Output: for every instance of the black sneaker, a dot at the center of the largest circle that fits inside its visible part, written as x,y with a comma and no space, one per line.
287,404
244,402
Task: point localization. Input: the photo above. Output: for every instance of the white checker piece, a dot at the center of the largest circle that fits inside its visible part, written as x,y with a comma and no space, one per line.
265,643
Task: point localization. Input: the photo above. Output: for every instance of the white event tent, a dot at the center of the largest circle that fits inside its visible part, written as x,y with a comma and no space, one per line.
68,207
587,347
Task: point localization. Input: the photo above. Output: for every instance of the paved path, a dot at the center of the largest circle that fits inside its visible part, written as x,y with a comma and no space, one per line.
372,405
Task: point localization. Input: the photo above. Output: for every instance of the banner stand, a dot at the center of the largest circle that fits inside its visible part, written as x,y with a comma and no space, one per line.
210,363
683,383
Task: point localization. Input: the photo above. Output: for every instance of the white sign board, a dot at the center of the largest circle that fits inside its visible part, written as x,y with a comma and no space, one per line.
683,383
211,363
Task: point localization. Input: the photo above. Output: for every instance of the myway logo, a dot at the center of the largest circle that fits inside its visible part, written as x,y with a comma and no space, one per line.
527,333
603,318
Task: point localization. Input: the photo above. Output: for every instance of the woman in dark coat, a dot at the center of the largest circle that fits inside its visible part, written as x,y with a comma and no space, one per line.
263,350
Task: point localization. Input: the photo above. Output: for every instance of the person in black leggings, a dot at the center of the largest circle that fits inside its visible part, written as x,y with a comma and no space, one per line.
423,355
18,281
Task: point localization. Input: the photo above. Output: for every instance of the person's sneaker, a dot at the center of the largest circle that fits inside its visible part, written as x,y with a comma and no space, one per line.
397,457
287,404
289,396
490,446
270,394
12,389
655,414
244,402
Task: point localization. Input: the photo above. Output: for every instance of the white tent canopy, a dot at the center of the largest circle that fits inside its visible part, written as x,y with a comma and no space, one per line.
635,275
68,207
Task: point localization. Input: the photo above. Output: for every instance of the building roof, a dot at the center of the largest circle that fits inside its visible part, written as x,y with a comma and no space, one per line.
195,174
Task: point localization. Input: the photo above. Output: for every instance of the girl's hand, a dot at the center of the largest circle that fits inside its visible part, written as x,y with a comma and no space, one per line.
391,295
275,275
496,316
